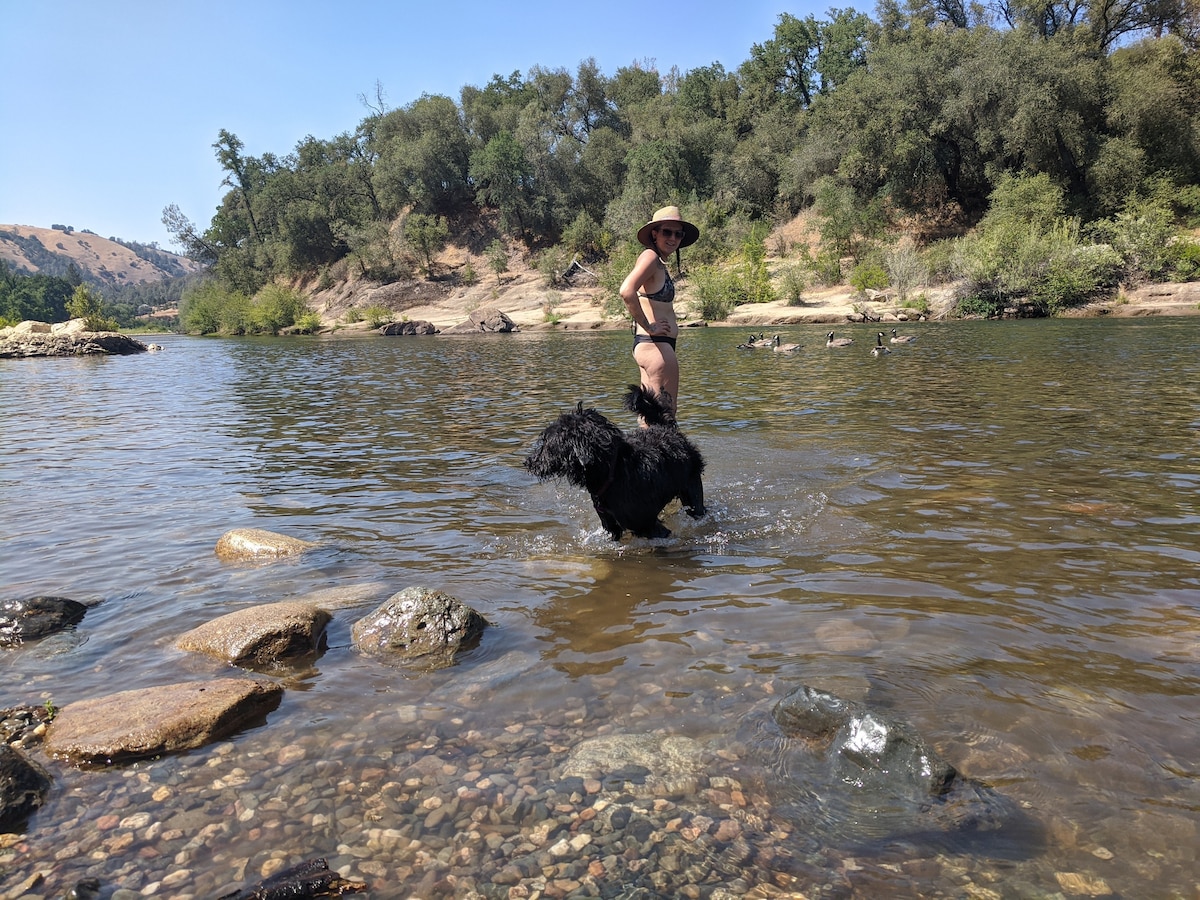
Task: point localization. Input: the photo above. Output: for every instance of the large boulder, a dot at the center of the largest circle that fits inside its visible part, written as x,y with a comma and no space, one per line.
35,617
262,635
418,626
865,747
23,787
486,318
859,774
243,544
151,721
30,339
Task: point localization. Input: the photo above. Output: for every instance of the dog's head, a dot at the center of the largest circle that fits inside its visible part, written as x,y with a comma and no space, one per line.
576,444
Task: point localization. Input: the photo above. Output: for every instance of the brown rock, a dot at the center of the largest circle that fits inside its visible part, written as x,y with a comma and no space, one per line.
257,543
150,721
260,635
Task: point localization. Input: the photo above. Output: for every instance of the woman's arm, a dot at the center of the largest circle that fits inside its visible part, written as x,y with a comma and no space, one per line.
646,263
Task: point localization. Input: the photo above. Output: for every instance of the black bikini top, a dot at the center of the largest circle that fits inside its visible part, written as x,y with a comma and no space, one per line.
666,293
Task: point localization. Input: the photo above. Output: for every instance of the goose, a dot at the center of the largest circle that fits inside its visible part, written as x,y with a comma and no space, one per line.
879,349
783,348
756,342
902,338
838,342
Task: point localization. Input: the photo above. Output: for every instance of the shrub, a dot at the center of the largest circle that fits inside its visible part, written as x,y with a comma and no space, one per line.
585,238
867,276
377,315
716,293
467,274
551,264
1185,261
1141,233
792,284
905,266
276,307
308,323
755,280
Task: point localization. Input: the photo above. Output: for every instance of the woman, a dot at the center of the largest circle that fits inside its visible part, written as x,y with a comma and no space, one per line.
649,294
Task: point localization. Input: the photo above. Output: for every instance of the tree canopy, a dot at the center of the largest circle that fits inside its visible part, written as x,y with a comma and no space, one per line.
920,112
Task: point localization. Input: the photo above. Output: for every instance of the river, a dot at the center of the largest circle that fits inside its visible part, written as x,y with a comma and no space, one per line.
991,533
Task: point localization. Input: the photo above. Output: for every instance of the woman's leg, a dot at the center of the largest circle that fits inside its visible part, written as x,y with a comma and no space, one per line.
660,370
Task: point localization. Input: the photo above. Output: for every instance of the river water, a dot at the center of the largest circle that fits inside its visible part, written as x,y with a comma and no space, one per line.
992,533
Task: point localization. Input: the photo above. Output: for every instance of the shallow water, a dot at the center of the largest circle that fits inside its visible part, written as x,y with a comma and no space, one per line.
992,534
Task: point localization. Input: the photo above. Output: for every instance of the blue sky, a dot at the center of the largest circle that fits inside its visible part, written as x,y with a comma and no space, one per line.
111,107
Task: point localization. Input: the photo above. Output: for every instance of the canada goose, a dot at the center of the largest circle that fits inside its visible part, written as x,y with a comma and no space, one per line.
756,342
902,338
783,348
879,349
838,342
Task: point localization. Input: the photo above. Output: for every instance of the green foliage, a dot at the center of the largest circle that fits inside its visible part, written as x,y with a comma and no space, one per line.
37,298
1141,233
497,257
86,304
906,269
467,274
926,111
620,263
377,315
826,266
1185,260
428,236
792,284
717,291
869,275
202,309
274,308
585,238
210,308
755,280
307,323
551,264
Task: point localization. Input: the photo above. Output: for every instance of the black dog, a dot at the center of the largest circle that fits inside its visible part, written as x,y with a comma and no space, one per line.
630,477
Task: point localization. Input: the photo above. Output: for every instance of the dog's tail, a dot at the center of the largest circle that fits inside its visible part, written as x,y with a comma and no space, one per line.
654,409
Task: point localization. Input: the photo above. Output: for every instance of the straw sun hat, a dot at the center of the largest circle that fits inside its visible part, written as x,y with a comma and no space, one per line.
668,214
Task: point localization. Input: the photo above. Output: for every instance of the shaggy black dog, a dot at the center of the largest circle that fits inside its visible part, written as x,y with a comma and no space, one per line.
630,476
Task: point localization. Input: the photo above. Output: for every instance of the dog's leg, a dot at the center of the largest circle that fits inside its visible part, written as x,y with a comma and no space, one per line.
693,499
608,521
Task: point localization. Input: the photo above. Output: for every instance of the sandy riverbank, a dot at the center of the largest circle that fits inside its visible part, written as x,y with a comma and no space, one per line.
525,299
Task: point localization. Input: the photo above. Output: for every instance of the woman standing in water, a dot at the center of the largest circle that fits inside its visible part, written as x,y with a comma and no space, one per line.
649,294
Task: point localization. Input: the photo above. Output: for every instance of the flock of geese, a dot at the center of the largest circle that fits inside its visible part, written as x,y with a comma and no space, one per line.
760,341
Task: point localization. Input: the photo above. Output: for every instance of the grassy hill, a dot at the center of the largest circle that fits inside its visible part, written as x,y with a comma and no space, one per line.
101,261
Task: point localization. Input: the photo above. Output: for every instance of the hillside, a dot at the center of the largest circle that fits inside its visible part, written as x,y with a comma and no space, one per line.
101,261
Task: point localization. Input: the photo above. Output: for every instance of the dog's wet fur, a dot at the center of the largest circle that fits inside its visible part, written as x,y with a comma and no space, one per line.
631,475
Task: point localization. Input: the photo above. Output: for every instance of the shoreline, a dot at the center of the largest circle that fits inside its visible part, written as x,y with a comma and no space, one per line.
532,307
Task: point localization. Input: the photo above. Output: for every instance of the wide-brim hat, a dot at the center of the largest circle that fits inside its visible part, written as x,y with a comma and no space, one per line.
691,233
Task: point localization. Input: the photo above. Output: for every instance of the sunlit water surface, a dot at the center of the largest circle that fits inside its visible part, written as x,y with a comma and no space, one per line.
992,533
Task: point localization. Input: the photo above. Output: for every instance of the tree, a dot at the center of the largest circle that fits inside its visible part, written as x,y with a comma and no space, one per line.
503,180
497,257
428,235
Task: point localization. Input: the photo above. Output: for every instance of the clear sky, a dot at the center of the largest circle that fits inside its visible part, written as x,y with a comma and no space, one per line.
110,108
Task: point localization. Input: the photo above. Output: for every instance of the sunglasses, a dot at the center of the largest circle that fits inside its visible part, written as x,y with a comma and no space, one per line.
670,232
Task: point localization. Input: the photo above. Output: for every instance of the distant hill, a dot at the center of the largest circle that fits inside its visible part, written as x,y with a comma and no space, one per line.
102,261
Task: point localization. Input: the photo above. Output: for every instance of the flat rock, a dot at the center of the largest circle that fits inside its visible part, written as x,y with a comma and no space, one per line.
152,721
257,543
260,635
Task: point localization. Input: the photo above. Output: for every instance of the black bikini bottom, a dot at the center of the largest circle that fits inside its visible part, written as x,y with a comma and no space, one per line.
652,339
